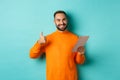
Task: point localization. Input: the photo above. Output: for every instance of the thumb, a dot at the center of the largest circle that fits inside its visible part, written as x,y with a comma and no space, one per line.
41,35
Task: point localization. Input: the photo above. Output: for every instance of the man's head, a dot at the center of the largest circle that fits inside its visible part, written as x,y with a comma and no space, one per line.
60,19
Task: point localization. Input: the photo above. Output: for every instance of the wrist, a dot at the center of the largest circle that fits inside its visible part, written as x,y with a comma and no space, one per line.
81,53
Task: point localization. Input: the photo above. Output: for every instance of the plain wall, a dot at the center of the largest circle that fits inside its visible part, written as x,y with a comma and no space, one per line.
22,21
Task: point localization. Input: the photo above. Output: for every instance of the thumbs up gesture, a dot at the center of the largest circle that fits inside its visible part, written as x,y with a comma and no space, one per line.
42,39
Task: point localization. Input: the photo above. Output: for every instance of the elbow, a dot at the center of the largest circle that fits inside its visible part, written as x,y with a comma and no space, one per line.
33,55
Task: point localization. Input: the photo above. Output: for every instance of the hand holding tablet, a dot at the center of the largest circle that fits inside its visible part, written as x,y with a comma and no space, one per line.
81,42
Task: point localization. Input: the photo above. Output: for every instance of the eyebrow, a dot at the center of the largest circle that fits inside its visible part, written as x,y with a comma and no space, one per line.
62,19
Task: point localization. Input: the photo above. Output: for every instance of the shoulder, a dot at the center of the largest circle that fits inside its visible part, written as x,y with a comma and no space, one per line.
50,36
73,34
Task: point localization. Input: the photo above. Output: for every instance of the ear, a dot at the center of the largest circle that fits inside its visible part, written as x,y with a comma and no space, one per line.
54,20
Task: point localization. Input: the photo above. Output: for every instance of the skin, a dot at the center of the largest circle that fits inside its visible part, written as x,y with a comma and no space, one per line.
61,21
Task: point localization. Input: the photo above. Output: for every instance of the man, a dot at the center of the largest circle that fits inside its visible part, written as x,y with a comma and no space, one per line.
60,60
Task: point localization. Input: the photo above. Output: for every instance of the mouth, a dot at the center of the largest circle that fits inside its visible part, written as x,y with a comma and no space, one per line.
61,27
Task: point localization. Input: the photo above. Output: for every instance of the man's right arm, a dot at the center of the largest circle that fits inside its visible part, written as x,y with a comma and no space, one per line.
38,48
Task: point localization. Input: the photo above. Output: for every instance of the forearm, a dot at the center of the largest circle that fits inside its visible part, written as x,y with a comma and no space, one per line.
36,50
80,58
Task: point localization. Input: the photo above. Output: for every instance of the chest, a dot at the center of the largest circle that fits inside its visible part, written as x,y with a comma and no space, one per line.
61,43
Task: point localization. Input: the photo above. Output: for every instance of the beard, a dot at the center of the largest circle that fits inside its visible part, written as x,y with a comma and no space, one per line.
62,29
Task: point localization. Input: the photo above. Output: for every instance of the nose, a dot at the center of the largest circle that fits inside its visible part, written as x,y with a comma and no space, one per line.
61,22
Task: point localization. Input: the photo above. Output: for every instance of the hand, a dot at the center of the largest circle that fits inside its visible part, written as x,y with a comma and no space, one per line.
42,39
81,50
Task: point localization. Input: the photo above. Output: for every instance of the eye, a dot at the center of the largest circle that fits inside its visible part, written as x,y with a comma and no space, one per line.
64,19
58,20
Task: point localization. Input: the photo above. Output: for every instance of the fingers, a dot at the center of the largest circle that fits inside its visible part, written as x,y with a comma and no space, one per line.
42,38
81,49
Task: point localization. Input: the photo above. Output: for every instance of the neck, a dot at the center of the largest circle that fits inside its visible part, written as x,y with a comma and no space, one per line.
62,31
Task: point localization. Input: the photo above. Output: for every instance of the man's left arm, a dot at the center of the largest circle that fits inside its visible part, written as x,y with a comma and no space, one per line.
80,57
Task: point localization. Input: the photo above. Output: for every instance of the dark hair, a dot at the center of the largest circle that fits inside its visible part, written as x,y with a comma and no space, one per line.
60,11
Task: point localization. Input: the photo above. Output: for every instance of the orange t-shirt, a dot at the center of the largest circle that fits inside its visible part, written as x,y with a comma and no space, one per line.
60,61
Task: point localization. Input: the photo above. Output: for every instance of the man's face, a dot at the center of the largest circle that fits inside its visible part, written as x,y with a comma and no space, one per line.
60,21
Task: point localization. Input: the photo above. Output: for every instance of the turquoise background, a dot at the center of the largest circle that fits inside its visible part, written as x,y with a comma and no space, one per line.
21,22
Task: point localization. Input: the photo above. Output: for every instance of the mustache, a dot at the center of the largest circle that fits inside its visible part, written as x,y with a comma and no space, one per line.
60,28
62,24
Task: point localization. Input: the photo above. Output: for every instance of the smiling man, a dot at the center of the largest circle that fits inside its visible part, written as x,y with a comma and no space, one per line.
60,60
60,20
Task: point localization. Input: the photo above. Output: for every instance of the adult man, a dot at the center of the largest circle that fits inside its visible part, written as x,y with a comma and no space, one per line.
60,60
